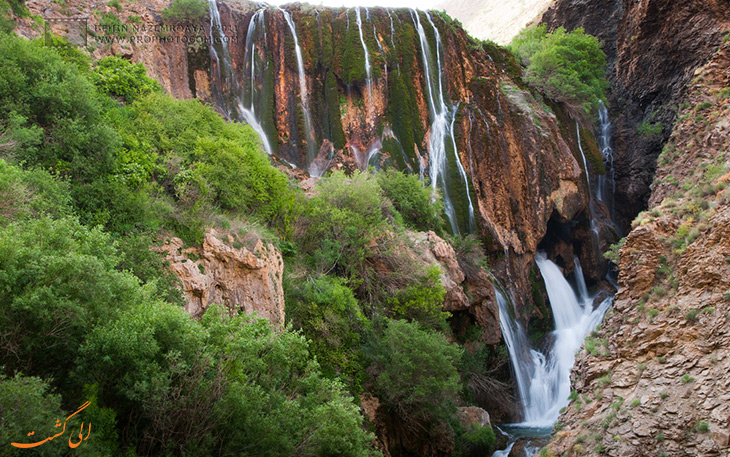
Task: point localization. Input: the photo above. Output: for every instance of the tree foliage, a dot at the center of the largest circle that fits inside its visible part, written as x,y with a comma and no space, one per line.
419,380
116,76
568,67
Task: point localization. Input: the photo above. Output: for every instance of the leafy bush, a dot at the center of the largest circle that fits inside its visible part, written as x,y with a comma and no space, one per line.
412,199
418,378
341,221
116,76
52,112
25,194
567,67
328,313
423,301
185,11
648,130
27,404
203,162
478,440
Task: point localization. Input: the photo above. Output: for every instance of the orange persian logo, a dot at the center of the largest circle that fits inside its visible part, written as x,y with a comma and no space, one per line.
71,444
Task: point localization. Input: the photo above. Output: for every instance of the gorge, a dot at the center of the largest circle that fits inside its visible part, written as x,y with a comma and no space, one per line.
420,224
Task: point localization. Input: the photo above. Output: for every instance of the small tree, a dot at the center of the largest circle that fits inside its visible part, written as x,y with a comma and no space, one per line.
566,67
185,11
419,380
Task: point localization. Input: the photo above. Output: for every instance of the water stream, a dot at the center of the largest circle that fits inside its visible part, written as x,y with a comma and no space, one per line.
442,124
303,94
543,375
248,110
606,182
368,80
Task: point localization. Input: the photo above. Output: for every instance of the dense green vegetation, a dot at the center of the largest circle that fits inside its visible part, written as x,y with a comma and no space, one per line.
96,166
568,67
185,10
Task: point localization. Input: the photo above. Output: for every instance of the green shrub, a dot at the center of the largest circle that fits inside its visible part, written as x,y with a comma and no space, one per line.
613,252
423,301
52,113
28,404
28,194
203,162
686,379
567,67
418,378
185,11
412,199
328,313
648,130
342,220
478,440
116,76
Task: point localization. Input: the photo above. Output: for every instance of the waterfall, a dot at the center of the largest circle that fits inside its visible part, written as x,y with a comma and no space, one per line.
585,164
604,124
302,88
224,67
442,123
368,80
249,112
232,95
543,378
517,344
392,28
462,172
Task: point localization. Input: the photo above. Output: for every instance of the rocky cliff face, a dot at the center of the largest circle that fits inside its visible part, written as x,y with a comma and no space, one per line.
654,379
653,49
349,88
243,274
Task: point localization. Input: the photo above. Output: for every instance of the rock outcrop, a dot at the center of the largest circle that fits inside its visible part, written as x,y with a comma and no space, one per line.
246,279
473,295
653,380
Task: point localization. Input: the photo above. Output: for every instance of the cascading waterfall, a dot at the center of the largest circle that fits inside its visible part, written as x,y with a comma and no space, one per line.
223,63
302,91
607,182
248,111
543,378
368,80
462,172
585,164
233,95
441,127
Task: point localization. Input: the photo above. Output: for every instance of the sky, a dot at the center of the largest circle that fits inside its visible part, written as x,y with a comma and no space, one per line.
421,4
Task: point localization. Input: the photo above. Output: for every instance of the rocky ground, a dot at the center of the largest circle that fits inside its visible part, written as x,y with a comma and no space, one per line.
654,379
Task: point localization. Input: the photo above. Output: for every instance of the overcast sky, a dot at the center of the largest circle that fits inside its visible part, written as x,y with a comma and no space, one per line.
421,4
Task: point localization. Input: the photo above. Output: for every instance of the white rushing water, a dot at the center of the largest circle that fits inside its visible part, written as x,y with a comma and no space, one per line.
225,70
224,67
585,164
607,182
442,123
248,111
368,80
302,86
543,378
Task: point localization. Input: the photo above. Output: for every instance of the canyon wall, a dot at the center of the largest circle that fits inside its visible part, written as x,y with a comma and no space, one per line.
653,379
653,48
